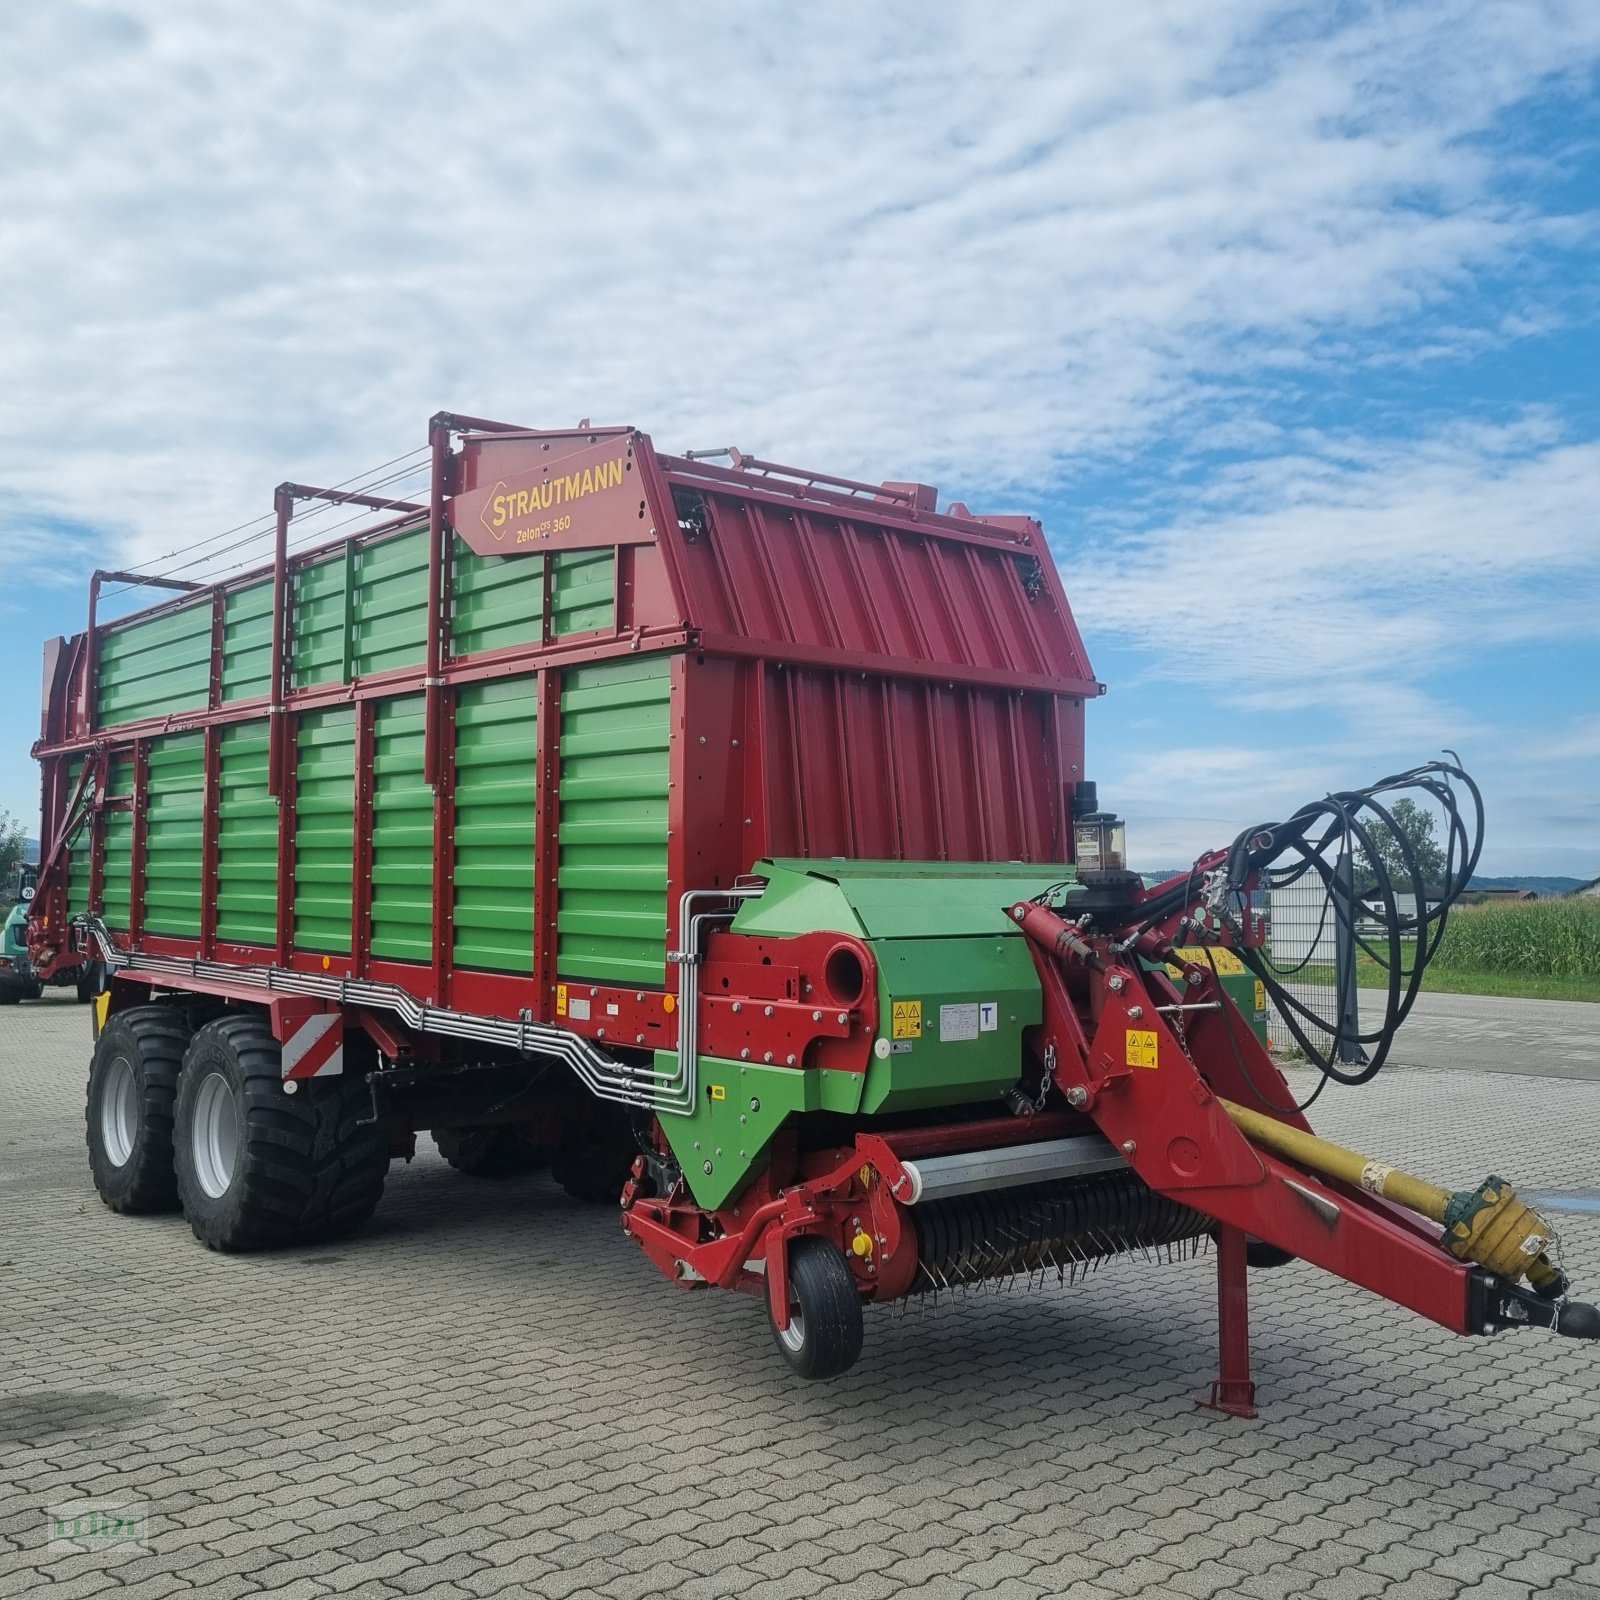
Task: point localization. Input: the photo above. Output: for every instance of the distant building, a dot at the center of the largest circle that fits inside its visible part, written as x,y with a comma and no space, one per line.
1405,902
1480,897
1591,889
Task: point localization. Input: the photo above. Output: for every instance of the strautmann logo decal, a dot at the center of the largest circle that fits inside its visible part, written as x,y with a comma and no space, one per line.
507,507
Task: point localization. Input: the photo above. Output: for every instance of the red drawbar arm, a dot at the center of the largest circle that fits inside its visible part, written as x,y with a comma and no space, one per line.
1154,1095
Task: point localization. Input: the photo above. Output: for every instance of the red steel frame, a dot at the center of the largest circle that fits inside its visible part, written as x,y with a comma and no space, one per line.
762,612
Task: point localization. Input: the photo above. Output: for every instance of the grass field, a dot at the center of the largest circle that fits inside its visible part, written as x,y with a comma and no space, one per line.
1538,950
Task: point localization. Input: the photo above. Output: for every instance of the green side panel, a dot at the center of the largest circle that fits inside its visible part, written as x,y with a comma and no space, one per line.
583,591
612,909
731,1131
80,852
946,952
402,834
496,601
319,631
174,822
247,641
156,667
390,608
324,835
117,873
247,839
495,796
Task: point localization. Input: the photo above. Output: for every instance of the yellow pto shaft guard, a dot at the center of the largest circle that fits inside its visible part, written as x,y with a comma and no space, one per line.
1487,1225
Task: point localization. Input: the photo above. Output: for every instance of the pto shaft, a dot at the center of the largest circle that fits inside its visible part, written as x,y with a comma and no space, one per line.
1487,1225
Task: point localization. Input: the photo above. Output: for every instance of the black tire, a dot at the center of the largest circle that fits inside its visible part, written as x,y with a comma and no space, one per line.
133,1080
90,982
10,996
303,1166
486,1152
825,1328
594,1164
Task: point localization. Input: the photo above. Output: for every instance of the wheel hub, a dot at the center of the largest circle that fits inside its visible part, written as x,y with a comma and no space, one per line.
119,1112
794,1336
214,1139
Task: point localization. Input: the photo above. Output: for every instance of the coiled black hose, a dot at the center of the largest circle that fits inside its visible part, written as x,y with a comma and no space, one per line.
1321,839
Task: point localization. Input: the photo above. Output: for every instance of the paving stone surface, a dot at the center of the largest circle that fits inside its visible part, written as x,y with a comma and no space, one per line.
490,1392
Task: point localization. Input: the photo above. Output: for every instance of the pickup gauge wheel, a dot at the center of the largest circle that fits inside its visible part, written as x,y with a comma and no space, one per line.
824,1331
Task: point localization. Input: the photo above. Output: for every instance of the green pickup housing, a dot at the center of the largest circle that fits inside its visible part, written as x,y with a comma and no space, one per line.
950,961
949,958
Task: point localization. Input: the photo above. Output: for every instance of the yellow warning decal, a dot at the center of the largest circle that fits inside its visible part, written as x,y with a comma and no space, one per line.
561,999
718,1091
1228,965
908,1019
1261,995
1141,1048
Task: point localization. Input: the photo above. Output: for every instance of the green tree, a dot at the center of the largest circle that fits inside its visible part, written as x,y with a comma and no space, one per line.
1415,826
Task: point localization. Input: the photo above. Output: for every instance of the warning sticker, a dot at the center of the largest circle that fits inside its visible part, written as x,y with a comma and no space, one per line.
907,1019
1141,1048
561,999
958,1023
1228,965
1261,995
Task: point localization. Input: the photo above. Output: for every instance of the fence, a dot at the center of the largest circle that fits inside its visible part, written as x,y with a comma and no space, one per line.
1310,946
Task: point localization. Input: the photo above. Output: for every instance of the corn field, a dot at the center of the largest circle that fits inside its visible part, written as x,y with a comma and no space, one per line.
1560,938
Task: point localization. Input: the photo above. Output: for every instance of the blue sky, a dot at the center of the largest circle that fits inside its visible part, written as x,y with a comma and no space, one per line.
1283,319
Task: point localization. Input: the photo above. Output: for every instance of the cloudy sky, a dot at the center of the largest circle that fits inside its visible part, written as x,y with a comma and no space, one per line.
1283,318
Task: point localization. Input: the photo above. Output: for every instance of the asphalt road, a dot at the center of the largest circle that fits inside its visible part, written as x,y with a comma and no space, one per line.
1480,1033
489,1392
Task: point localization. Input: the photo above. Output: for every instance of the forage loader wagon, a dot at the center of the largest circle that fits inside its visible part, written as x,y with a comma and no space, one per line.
719,835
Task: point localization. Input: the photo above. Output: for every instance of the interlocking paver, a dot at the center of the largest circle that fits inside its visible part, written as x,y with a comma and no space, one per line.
489,1393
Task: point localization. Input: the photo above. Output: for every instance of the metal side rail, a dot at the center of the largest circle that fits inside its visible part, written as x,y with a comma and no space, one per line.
604,1076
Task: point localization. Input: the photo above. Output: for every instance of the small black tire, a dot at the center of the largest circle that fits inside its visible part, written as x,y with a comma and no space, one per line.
825,1328
90,982
258,1167
128,1111
486,1152
10,996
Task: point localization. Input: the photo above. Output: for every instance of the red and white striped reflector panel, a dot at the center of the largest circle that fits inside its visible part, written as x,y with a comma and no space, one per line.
316,1048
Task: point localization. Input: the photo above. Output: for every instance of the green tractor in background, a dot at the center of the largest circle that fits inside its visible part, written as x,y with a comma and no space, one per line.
18,980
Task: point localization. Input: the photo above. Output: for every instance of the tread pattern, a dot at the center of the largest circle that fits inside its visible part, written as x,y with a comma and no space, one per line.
312,1164
158,1037
822,1283
486,1152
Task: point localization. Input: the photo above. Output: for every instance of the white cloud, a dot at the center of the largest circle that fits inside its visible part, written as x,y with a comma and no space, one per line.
1329,602
893,239
1347,573
1003,251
